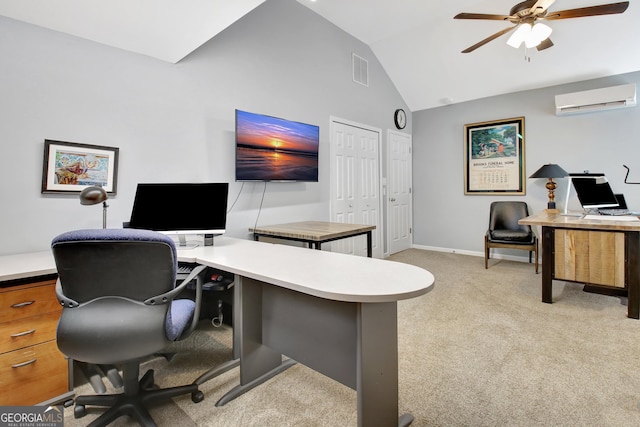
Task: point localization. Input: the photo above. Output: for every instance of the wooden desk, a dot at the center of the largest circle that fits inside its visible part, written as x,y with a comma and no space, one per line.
315,232
602,254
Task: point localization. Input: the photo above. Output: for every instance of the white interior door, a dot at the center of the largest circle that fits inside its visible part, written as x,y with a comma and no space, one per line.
399,208
355,183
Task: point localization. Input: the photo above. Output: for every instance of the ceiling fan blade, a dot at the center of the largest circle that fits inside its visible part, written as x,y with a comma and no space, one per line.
482,16
604,9
544,44
488,39
540,6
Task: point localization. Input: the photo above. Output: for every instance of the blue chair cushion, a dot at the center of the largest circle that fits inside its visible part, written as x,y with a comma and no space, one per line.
179,317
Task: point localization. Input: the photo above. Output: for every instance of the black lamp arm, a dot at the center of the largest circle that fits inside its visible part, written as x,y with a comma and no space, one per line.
627,175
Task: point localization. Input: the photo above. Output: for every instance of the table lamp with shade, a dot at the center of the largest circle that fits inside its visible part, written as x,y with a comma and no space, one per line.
94,195
550,171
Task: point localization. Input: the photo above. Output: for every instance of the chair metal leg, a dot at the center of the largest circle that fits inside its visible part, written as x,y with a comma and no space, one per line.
486,253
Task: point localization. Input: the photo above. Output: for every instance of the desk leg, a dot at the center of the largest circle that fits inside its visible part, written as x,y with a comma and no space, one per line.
369,244
377,366
258,362
632,272
547,263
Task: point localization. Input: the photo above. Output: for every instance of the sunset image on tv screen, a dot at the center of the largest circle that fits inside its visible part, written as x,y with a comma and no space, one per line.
273,149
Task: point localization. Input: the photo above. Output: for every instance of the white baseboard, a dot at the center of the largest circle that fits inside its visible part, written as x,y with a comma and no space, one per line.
494,255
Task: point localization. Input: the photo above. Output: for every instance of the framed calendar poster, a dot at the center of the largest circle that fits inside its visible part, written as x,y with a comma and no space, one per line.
494,157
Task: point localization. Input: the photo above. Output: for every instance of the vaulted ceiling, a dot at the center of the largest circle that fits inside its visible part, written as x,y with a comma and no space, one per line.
417,41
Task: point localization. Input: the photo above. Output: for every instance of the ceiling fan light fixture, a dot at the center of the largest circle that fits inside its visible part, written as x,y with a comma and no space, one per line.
539,32
530,36
520,35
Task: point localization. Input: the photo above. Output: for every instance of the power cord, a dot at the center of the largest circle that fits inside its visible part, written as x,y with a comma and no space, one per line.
264,190
236,200
217,320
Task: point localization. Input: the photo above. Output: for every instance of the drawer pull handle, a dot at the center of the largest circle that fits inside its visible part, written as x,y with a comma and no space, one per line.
28,362
22,304
21,334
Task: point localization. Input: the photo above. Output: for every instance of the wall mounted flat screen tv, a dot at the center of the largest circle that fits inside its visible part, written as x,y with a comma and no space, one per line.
274,149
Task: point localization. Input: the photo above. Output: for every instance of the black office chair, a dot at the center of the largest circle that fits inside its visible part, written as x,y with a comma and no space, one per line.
118,292
505,232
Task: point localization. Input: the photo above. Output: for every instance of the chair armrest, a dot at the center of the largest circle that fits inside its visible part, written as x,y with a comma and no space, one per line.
168,296
197,274
62,299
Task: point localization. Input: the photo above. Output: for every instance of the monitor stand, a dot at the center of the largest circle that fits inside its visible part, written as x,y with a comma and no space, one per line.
182,242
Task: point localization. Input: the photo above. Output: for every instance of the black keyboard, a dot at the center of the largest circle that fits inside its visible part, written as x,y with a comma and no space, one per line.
185,268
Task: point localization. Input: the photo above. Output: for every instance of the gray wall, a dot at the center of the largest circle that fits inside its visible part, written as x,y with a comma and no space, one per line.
446,219
174,122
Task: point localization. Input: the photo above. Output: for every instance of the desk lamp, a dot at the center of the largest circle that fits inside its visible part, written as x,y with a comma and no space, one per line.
94,195
550,171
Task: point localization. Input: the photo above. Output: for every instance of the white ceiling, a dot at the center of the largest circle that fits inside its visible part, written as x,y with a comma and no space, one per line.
417,41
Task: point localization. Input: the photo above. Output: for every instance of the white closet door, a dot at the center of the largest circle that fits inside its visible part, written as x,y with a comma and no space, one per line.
355,184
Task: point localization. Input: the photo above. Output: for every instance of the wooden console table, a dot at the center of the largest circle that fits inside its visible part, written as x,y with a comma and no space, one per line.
603,254
315,233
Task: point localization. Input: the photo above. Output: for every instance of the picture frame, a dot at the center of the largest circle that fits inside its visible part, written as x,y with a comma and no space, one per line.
70,167
494,157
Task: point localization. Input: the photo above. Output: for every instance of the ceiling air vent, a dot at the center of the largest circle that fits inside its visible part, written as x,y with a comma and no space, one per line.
360,70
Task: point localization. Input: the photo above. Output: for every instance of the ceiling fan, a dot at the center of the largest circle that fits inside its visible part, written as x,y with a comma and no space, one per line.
535,34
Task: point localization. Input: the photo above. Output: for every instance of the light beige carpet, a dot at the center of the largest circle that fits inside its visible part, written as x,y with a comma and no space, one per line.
481,349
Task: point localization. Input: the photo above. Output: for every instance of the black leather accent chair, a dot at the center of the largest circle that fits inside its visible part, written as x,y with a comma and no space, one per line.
505,232
118,292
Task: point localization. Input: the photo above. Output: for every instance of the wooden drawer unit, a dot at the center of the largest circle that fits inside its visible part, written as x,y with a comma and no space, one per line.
32,369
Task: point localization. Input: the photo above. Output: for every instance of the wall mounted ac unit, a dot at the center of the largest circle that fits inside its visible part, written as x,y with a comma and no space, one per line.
607,98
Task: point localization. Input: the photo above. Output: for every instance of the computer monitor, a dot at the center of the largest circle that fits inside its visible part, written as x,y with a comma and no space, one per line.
181,209
593,191
622,203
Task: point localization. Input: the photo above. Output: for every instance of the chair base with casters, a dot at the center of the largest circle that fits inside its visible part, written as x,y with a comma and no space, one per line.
136,397
532,247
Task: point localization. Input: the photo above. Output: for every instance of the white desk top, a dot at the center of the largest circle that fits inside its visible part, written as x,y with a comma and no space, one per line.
320,273
22,266
324,274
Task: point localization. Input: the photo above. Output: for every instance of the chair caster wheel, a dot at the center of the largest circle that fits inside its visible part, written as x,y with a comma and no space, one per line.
197,397
79,411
